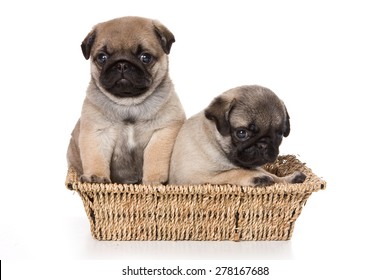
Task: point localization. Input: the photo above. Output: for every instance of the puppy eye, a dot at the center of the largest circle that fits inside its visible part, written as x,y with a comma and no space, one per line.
242,134
146,58
102,58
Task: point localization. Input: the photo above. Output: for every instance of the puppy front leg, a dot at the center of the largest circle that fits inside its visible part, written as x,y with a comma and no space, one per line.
242,177
260,177
265,178
294,178
157,155
95,152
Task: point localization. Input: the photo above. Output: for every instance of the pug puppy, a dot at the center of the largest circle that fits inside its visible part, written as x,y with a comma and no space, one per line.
131,114
231,139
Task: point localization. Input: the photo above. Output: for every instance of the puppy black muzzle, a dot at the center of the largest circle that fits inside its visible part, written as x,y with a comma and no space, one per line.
255,152
124,78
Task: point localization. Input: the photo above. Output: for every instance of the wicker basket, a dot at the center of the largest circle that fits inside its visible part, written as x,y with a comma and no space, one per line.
200,212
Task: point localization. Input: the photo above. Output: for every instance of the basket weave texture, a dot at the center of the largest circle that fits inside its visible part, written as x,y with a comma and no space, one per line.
197,212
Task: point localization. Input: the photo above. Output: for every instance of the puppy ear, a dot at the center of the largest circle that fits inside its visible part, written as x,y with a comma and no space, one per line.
86,45
164,35
219,111
286,131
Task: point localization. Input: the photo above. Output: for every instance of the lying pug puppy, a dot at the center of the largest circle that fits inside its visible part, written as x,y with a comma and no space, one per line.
227,143
131,114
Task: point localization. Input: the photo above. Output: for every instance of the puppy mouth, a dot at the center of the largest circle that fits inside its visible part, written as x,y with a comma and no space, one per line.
125,88
252,157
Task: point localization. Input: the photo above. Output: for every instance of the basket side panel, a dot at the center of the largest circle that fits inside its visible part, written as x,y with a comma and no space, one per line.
88,202
197,216
124,216
269,216
165,216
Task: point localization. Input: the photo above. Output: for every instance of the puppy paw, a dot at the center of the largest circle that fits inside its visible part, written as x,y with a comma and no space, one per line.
263,181
94,179
154,182
155,179
298,177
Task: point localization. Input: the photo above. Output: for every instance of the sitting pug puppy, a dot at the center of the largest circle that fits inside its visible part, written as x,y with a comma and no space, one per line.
231,139
131,114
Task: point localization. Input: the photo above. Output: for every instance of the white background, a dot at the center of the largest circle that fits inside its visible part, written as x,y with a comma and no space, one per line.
328,60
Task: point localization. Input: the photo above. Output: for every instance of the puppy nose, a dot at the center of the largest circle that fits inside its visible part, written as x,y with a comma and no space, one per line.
261,145
122,67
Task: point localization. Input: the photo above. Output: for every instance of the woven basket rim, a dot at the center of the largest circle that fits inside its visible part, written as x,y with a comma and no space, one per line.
312,184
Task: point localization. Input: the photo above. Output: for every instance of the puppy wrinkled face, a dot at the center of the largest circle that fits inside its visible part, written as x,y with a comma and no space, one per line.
125,73
128,56
257,128
253,146
252,122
